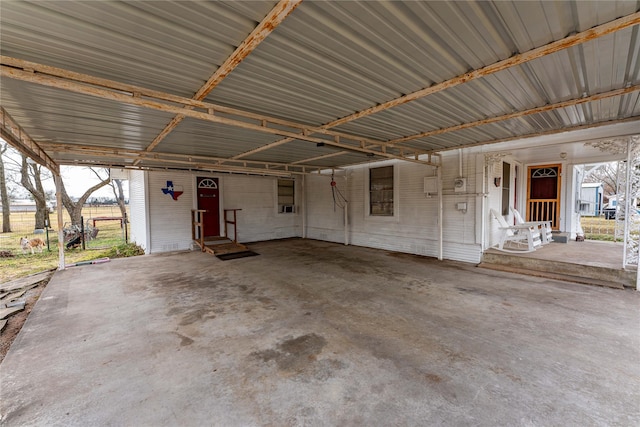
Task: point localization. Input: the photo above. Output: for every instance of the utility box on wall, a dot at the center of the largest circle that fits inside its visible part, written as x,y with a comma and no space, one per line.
431,185
460,185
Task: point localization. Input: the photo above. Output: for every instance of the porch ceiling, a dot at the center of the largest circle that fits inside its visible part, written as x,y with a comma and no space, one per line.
298,86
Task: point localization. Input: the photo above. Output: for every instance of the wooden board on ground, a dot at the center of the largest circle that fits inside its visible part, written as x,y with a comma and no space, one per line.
11,296
26,282
6,312
226,248
222,245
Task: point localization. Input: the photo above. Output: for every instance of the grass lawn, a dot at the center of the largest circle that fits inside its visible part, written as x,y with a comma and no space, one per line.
598,228
109,242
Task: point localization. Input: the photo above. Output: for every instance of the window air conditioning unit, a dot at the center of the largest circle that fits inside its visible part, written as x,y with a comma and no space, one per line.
287,209
460,185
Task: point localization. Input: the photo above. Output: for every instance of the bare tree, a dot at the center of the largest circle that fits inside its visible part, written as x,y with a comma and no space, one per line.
607,174
4,194
31,179
75,208
118,192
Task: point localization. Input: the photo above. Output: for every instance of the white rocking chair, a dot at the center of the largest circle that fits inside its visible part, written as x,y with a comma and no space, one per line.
543,226
517,238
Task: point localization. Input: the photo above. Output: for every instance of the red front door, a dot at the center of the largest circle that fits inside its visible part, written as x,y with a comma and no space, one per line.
543,194
209,200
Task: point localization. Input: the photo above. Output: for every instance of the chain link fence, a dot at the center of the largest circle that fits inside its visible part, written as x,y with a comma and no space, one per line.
103,226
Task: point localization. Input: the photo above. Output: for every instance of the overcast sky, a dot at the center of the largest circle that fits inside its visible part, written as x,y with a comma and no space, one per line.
77,180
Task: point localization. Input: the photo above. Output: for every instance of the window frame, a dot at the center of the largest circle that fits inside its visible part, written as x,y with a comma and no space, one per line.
505,188
281,206
394,217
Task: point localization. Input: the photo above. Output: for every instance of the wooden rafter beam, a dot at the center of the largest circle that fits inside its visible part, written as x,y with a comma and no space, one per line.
13,133
322,157
517,114
141,92
542,133
178,165
517,59
136,95
524,113
270,22
193,161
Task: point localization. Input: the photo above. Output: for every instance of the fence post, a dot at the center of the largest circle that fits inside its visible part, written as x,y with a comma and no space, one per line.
82,232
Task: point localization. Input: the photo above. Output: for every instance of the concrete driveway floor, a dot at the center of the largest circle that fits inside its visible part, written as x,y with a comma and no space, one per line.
315,333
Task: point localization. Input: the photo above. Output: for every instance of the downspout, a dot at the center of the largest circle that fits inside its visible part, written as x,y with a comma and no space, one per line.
304,206
440,207
58,182
147,211
346,211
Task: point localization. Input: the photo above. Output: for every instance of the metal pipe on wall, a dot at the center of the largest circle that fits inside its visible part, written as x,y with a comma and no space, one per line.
346,223
304,207
346,211
440,216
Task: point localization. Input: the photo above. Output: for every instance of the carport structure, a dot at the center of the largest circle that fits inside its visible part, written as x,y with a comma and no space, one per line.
291,88
253,92
300,86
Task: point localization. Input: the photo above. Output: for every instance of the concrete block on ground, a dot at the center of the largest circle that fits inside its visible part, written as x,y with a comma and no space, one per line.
20,304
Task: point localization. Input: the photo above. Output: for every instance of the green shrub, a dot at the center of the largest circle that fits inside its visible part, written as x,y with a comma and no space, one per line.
124,250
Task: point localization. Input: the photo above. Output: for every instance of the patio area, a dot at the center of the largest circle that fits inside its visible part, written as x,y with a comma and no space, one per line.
591,262
316,333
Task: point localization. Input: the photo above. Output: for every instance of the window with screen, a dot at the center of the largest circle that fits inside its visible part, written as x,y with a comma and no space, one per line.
381,191
506,187
286,193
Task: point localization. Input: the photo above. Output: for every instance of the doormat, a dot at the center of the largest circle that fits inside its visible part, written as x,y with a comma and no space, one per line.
236,255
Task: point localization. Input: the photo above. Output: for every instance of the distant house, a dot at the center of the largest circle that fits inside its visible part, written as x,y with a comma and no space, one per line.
591,198
22,205
26,205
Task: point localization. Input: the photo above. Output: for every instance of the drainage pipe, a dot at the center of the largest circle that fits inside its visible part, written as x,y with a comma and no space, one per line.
304,206
440,207
346,223
346,210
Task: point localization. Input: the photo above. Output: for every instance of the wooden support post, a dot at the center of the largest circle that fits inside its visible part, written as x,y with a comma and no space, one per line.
234,223
197,227
59,207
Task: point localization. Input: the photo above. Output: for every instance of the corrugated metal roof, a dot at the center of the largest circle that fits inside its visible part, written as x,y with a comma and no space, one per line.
327,60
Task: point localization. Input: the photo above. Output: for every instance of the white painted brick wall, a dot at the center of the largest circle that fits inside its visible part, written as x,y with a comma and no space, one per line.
170,220
415,229
259,218
138,209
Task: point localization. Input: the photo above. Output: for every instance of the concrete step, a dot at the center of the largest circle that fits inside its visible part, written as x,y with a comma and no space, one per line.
551,275
573,272
561,237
